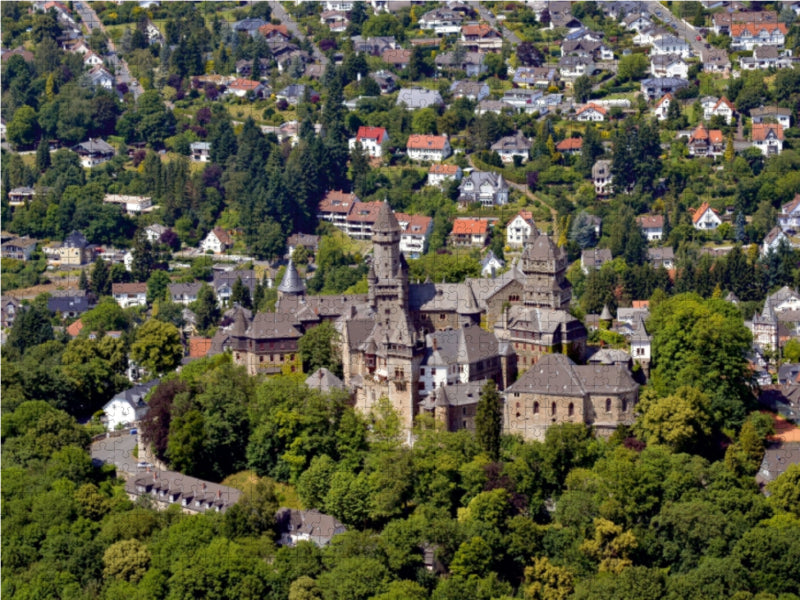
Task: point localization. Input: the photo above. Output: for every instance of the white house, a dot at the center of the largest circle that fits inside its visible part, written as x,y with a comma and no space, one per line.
520,228
154,232
652,226
488,189
217,241
428,147
724,109
371,140
661,109
91,59
767,137
128,407
439,173
129,294
94,152
746,36
668,65
765,114
133,205
591,112
201,151
184,293
602,178
491,265
772,240
669,44
789,217
419,98
706,218
443,21
415,231
512,145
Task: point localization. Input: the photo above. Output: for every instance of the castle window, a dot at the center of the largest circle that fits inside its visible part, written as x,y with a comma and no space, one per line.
608,404
553,409
513,298
571,409
518,415
464,411
536,408
442,316
422,371
624,405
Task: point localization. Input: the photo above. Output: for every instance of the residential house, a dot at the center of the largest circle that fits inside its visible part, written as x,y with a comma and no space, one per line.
656,87
472,63
637,21
154,232
592,259
74,250
715,60
520,228
336,20
128,407
561,16
705,142
488,189
648,35
769,114
556,390
249,88
361,219
201,151
428,147
773,240
374,45
19,248
371,139
184,293
397,58
386,81
746,36
602,178
9,309
591,112
670,44
223,283
641,343
707,103
570,146
20,196
661,257
272,32
767,137
491,265
652,226
417,97
249,26
481,38
94,152
723,20
706,218
535,77
588,48
723,108
668,65
572,67
339,5
99,76
295,92
306,240
91,59
471,90
68,307
766,57
789,217
335,206
295,526
512,146
129,294
217,241
469,232
497,107
132,205
164,488
661,109
415,232
443,21
438,174
522,99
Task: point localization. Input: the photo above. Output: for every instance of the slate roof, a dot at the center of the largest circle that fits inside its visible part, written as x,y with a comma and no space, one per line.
557,375
324,381
77,304
291,282
467,345
316,525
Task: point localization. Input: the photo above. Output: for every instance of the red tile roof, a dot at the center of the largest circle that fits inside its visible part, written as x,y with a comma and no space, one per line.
464,226
128,288
663,98
569,145
414,224
74,329
701,211
426,142
641,304
223,236
738,29
601,109
761,130
244,84
269,28
439,169
199,347
370,133
364,212
399,56
650,221
337,201
480,30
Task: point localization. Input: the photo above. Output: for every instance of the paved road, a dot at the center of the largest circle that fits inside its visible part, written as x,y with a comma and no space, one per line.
487,16
118,65
683,29
278,12
117,451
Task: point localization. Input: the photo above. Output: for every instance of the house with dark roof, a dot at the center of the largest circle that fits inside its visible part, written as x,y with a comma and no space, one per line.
512,146
535,77
224,281
652,226
249,26
556,390
472,63
592,259
193,495
94,152
295,526
184,293
128,407
9,309
471,90
419,98
656,87
485,187
454,406
661,257
768,114
129,294
68,307
19,248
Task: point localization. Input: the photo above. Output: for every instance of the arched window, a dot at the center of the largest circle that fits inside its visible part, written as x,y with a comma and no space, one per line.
571,409
608,404
536,408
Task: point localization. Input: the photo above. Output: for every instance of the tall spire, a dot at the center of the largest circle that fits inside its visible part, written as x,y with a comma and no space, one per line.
291,282
386,221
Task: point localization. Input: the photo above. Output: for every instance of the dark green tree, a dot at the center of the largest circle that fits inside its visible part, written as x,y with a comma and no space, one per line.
43,156
206,308
240,294
144,259
101,280
31,327
489,420
318,349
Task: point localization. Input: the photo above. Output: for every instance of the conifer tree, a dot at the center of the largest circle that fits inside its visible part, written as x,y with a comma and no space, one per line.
489,420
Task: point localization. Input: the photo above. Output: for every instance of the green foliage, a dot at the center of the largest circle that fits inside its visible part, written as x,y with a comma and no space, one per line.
319,347
489,420
157,347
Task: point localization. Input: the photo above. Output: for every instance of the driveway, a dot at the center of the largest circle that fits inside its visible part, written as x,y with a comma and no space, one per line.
117,451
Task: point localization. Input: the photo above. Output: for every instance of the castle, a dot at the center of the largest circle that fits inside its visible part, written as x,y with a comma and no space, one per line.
427,347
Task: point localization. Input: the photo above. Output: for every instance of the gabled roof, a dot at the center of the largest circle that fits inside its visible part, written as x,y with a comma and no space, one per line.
525,215
703,209
740,29
518,141
442,169
481,30
760,131
222,235
128,288
426,142
569,144
399,56
269,28
592,106
337,201
324,381
650,221
467,226
370,133
244,84
666,97
724,102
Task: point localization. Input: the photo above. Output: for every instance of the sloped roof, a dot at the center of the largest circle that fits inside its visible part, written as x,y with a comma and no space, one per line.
760,131
370,133
291,282
324,381
704,207
570,144
592,106
480,30
650,221
739,29
426,142
442,169
466,226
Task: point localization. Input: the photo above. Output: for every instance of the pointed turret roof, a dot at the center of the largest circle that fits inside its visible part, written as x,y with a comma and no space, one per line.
240,322
386,221
291,282
606,314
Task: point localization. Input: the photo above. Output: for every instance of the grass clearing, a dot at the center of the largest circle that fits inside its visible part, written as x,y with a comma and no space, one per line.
245,481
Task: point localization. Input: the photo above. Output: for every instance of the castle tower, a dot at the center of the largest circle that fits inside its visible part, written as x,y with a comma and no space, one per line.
291,285
545,265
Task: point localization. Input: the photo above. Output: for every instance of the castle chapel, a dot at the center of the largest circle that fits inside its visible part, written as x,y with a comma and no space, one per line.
406,341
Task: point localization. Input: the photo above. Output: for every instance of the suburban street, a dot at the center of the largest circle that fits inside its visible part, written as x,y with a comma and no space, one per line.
683,29
278,12
487,16
118,65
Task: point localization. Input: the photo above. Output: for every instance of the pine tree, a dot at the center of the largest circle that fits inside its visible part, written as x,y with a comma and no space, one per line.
144,259
489,421
101,278
43,156
83,281
240,294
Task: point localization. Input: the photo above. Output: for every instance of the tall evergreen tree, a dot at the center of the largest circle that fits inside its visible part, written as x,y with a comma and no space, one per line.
101,278
43,156
144,259
489,420
240,294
